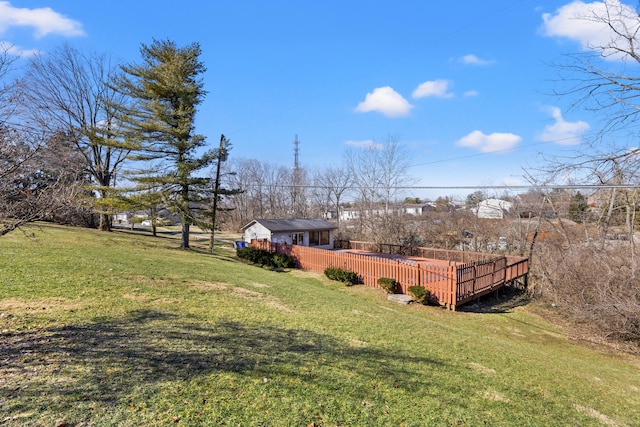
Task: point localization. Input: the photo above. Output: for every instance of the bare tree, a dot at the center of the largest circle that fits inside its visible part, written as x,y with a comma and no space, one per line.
7,88
596,280
68,91
249,175
379,174
599,78
330,187
39,180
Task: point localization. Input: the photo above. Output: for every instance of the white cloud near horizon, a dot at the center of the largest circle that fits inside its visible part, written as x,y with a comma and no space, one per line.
367,143
586,24
43,20
433,88
385,100
489,143
474,60
563,132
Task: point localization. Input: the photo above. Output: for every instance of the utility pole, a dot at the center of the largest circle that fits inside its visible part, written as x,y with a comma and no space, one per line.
222,156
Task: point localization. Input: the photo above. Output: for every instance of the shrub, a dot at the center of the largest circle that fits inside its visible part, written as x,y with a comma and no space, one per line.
255,255
283,261
419,294
345,276
388,284
264,257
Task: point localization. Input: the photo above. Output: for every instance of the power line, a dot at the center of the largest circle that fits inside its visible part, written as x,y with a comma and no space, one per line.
465,187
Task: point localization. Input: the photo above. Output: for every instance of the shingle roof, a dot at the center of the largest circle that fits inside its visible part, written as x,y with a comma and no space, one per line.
293,224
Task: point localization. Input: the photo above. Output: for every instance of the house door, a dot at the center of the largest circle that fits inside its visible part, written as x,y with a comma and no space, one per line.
297,238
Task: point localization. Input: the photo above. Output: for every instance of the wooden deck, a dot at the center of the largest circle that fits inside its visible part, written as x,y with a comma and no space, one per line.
451,283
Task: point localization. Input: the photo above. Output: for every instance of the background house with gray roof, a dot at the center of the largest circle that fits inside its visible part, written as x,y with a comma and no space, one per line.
305,232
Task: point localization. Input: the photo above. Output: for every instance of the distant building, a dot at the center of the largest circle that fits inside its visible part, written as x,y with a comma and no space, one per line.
417,209
304,232
492,209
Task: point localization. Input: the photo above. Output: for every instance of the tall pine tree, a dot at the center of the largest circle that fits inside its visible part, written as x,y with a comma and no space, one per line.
165,90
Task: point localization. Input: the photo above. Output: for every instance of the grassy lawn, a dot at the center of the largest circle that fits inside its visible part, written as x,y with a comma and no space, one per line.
101,329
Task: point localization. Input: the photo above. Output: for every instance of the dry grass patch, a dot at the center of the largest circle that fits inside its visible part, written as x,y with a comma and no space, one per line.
305,274
598,416
136,297
269,301
210,286
353,343
259,285
495,396
15,304
481,369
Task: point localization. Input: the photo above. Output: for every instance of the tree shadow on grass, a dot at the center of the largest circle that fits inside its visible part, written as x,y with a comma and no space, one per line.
101,363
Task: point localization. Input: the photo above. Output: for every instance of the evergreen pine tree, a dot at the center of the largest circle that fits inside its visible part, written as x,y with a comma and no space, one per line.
165,90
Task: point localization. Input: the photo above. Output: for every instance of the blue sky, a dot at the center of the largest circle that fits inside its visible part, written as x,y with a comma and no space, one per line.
464,85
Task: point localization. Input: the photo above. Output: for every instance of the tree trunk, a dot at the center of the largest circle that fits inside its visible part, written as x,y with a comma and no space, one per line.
184,244
105,222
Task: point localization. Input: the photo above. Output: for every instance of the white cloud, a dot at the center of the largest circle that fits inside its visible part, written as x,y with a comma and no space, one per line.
386,101
562,132
470,93
585,23
474,60
435,88
489,143
367,143
44,20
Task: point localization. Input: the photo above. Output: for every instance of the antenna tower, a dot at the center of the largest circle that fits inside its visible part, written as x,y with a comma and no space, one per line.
296,152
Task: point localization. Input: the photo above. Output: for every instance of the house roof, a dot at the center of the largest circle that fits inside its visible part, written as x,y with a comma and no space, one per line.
292,224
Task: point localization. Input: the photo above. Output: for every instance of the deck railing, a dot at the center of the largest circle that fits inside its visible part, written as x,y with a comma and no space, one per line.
449,283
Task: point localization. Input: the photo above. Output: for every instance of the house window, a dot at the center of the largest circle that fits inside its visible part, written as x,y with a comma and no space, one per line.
297,238
314,238
317,238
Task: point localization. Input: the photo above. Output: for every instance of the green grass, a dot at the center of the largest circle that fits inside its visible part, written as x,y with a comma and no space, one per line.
106,329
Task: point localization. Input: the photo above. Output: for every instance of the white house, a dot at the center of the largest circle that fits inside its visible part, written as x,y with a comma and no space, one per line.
492,209
417,209
305,232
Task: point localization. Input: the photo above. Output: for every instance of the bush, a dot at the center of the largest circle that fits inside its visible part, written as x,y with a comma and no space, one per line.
389,285
345,276
255,255
264,257
419,294
283,261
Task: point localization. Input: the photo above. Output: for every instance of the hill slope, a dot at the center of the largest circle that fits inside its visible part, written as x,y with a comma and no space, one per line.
118,329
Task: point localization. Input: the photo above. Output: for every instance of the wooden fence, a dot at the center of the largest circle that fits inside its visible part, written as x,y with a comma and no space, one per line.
418,251
449,283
